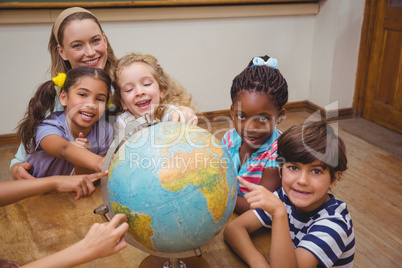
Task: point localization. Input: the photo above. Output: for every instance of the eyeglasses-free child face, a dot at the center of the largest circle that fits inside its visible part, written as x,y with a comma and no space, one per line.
140,92
254,115
306,185
84,104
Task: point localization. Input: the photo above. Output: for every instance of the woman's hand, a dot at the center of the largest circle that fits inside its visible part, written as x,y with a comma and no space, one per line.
19,171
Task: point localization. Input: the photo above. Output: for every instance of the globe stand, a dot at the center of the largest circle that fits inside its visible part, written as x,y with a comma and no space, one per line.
192,262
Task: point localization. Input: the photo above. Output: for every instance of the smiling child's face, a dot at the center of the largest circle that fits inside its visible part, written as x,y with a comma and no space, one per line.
140,92
307,184
84,104
254,115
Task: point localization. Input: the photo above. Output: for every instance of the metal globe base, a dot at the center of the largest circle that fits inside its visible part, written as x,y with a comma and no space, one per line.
192,262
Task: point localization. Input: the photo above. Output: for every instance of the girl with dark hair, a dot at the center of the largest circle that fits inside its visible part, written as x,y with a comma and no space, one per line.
258,95
77,39
49,139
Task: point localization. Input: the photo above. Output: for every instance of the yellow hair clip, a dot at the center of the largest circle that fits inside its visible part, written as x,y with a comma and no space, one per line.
59,79
109,104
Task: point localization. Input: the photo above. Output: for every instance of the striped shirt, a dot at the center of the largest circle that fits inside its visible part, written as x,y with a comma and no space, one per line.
253,168
327,231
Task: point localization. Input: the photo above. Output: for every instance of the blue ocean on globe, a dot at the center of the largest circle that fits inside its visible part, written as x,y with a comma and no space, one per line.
176,184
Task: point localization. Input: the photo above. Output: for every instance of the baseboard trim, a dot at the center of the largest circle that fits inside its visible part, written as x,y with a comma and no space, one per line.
329,115
223,115
215,116
9,139
296,106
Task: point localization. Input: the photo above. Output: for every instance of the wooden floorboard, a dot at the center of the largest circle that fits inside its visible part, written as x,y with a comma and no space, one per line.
372,188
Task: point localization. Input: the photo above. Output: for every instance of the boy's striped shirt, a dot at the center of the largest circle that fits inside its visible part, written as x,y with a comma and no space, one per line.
327,231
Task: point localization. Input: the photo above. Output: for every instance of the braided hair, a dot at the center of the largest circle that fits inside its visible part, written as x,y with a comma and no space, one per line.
262,79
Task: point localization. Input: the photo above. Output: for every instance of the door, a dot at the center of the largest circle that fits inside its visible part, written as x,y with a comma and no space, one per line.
380,97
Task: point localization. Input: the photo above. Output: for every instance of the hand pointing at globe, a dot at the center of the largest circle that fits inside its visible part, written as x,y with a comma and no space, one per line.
260,197
99,242
80,185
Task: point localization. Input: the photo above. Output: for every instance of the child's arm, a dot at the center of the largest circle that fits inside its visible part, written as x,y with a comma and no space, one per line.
282,252
102,240
81,141
236,233
241,204
82,170
82,186
61,148
270,179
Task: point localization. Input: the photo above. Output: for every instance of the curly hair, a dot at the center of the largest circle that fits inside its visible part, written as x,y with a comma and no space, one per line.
261,79
58,65
174,92
44,101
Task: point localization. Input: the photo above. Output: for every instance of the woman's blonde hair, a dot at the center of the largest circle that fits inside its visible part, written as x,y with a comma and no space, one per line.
173,93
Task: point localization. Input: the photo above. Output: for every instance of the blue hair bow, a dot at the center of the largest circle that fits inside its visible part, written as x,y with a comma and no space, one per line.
271,62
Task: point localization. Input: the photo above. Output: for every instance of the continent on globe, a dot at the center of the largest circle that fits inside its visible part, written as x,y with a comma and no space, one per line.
211,181
140,227
177,185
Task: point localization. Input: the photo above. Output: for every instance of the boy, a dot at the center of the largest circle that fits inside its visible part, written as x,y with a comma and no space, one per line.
310,227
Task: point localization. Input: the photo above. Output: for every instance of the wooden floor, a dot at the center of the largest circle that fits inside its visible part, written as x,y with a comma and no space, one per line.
372,188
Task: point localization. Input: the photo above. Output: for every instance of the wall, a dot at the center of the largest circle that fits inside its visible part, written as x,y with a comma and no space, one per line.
203,52
335,53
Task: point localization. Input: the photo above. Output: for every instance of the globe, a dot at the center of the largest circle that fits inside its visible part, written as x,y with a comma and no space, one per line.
176,184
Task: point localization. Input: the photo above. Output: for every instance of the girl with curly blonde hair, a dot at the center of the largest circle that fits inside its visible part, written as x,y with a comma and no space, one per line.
142,86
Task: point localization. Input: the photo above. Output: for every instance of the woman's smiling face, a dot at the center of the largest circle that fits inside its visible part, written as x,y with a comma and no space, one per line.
84,44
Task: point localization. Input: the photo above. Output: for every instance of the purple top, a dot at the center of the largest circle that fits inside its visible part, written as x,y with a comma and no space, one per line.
44,165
